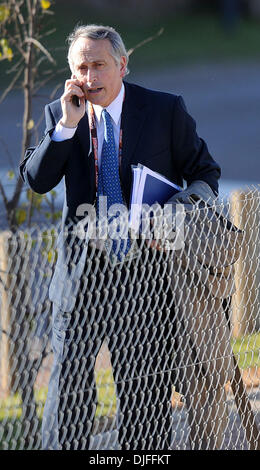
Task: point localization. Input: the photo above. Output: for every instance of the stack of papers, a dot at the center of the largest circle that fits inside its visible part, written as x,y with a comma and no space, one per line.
148,187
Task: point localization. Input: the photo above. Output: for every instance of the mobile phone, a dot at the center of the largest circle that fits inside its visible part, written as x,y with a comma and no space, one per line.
76,100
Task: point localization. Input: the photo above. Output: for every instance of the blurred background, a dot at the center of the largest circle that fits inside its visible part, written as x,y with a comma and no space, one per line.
209,52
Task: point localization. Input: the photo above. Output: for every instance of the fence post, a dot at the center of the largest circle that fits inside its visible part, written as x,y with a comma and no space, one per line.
245,302
5,314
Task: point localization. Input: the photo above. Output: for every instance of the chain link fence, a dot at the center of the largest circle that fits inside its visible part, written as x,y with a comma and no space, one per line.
160,351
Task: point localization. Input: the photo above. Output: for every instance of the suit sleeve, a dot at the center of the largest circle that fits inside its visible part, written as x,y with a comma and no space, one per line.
44,166
191,152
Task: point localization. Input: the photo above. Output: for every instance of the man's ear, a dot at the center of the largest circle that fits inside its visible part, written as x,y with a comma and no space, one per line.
123,64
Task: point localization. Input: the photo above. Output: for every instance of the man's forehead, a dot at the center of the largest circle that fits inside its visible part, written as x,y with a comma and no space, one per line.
91,48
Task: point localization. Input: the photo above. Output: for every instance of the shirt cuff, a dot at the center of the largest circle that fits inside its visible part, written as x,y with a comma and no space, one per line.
61,133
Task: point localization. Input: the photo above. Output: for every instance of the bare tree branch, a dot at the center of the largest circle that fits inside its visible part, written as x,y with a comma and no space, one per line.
151,38
40,46
19,20
15,66
48,33
17,6
17,45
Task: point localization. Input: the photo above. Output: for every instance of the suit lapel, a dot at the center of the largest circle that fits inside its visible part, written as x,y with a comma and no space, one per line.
134,113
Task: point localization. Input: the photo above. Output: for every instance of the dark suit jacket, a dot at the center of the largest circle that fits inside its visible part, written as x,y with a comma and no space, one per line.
157,132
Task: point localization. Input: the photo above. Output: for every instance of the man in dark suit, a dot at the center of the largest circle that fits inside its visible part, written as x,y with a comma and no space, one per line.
92,299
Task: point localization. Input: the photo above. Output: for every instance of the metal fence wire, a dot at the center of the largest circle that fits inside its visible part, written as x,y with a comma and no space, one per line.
157,351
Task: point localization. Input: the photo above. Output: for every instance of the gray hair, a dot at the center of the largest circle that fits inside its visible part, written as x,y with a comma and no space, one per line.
94,31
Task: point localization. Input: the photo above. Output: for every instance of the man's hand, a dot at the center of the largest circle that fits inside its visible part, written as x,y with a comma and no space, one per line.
72,114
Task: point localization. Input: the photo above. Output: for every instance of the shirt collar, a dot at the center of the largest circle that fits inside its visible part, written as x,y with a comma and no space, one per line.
114,108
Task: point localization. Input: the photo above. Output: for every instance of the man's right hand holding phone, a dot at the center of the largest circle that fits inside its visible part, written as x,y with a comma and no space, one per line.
71,112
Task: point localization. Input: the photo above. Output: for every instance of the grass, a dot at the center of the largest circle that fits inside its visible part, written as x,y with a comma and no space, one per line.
11,428
247,351
11,407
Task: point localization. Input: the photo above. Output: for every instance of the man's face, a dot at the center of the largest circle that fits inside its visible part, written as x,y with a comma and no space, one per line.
96,68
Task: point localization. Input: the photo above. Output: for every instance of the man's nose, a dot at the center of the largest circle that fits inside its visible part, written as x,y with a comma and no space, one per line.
91,77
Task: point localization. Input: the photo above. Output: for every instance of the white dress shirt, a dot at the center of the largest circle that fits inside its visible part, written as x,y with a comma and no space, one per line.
114,109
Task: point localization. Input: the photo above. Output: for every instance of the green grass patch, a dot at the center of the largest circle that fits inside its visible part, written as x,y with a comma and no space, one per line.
11,426
247,351
11,407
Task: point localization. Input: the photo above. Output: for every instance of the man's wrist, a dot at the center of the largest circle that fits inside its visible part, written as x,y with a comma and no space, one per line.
68,126
62,132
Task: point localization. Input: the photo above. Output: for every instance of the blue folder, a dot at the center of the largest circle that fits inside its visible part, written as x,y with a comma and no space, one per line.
148,187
